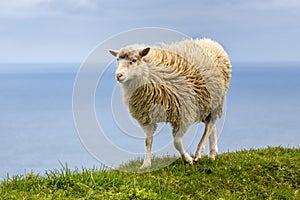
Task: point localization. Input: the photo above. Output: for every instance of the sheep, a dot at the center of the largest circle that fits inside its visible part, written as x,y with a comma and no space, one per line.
181,84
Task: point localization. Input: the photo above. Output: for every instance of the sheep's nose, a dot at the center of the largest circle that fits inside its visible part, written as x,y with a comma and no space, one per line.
119,76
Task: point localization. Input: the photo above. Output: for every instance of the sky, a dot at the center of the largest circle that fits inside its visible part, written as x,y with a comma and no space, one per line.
67,31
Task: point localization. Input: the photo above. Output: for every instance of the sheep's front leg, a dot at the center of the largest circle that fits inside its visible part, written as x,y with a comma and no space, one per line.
178,133
149,131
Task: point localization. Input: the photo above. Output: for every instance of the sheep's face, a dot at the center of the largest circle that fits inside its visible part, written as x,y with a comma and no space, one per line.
130,62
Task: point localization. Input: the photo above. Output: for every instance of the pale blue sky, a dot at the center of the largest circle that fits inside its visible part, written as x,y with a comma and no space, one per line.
66,31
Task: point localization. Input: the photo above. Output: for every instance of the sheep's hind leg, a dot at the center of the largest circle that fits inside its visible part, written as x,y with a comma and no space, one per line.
213,147
149,130
207,131
178,134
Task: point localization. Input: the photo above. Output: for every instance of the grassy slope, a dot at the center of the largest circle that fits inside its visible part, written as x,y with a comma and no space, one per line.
272,173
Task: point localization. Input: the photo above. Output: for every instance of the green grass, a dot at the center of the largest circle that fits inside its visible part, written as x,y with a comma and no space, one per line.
272,173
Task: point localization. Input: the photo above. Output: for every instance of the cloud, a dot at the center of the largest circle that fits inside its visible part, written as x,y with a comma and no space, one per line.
46,29
166,9
258,4
276,4
36,8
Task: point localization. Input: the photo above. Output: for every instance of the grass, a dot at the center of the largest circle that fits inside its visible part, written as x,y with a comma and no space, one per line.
272,173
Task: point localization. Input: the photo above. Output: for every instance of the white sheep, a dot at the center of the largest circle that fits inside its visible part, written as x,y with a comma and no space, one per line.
180,84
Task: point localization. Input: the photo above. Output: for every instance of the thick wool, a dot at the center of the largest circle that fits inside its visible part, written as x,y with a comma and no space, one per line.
188,78
213,64
176,86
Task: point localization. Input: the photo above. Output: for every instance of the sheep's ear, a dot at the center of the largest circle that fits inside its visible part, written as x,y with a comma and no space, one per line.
114,53
144,52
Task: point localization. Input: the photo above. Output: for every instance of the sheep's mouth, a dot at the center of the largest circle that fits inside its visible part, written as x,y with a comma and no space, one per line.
121,79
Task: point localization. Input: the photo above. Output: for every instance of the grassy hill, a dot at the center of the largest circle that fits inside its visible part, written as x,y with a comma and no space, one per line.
272,173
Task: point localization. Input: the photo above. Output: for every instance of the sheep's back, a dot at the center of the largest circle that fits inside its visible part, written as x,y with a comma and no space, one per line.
207,55
218,55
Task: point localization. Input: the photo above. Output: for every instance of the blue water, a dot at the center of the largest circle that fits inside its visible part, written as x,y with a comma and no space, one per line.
37,130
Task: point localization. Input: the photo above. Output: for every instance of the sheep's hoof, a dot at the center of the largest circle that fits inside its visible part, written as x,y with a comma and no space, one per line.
145,165
197,158
212,156
188,159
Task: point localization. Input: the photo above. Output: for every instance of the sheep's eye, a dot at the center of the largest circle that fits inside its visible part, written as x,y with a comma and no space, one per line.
133,61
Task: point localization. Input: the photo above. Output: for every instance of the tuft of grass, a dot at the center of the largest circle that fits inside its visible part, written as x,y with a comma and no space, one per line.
271,173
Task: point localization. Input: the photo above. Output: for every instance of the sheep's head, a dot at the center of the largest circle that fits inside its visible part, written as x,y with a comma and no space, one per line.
130,62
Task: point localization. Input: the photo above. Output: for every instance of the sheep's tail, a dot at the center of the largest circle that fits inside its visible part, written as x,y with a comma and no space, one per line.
216,52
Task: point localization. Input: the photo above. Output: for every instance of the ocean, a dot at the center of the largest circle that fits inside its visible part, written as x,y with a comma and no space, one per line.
38,132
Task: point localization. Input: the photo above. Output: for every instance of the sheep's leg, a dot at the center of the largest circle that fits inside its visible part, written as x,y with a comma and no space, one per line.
178,134
213,147
149,130
207,131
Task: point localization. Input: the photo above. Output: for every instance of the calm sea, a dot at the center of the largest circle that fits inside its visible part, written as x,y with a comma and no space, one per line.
37,130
